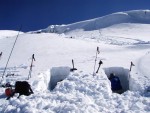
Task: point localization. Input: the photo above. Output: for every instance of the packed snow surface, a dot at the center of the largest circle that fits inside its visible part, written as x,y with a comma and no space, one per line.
59,90
8,33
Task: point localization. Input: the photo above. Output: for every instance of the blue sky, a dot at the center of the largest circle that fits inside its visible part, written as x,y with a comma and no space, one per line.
39,14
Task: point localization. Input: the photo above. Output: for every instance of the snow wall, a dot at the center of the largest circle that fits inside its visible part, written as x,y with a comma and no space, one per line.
137,82
122,73
42,82
57,74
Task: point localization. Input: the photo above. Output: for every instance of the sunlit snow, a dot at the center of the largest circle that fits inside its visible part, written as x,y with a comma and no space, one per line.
121,37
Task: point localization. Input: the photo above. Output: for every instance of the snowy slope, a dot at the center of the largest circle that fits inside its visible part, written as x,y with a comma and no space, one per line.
120,34
75,94
80,91
8,33
135,16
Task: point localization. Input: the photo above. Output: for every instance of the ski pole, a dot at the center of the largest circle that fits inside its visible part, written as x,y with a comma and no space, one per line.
131,65
97,52
73,66
1,55
11,51
33,59
130,68
100,63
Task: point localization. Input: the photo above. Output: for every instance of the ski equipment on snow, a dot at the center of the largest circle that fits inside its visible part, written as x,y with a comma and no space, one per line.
73,69
1,55
11,52
100,63
131,66
8,92
23,88
33,59
97,52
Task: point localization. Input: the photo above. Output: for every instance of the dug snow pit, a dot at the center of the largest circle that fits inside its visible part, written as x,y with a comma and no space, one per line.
58,74
122,73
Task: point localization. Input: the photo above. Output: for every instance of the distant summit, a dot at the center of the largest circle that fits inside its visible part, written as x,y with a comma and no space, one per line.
135,16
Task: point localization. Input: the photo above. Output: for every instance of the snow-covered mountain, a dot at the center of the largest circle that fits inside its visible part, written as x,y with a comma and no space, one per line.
121,37
137,16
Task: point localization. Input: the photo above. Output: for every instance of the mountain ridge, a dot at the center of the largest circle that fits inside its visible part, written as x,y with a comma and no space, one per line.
133,16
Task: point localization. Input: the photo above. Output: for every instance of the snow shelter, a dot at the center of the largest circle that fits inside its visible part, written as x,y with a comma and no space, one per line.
58,74
122,73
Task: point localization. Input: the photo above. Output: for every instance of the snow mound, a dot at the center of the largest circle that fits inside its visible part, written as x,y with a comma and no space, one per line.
79,92
8,33
141,73
86,84
135,16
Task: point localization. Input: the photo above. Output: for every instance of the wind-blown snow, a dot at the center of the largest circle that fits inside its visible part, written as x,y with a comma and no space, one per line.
57,90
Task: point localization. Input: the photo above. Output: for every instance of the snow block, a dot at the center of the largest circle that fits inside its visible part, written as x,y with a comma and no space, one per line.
138,83
58,74
81,83
122,73
42,83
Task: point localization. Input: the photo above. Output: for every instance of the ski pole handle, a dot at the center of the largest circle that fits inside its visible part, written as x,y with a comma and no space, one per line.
131,65
73,63
33,58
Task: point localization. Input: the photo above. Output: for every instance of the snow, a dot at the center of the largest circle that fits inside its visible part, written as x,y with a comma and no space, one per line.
58,74
135,16
57,89
8,33
122,73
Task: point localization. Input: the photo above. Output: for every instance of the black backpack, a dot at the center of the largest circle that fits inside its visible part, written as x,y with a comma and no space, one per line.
23,88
